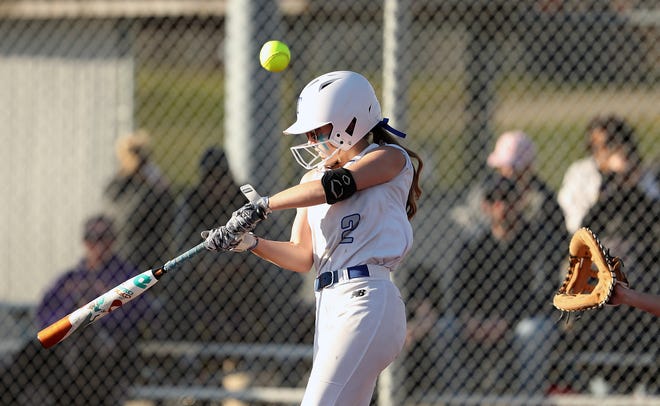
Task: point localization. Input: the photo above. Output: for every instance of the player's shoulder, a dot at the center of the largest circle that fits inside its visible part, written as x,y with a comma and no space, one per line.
386,151
389,156
389,148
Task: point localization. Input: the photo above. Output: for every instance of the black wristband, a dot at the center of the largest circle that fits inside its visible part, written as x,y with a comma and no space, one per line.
338,185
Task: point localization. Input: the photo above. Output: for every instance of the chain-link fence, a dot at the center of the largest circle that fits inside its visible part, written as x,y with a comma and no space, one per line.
533,118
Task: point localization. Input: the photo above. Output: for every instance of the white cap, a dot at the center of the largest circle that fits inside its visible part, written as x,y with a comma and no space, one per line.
514,149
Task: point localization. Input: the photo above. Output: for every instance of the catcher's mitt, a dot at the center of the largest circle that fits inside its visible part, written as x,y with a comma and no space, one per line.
591,275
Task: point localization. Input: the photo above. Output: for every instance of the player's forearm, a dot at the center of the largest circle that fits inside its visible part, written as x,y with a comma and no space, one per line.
286,255
644,301
302,195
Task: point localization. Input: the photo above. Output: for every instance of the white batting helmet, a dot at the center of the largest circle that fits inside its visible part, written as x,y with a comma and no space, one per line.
344,99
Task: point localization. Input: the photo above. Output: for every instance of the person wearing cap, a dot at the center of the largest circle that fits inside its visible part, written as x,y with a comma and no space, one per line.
98,365
501,337
514,157
100,269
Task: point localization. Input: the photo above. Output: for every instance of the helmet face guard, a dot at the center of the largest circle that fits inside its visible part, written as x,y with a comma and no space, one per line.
316,152
313,155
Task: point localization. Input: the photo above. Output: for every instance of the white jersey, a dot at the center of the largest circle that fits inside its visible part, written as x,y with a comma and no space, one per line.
370,227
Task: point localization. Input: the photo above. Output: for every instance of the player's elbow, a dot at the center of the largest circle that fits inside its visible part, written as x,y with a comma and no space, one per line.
303,261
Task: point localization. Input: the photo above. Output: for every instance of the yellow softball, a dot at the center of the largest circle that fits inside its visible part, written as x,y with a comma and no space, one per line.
274,56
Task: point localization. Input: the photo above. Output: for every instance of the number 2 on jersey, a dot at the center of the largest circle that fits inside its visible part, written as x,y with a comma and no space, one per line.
348,224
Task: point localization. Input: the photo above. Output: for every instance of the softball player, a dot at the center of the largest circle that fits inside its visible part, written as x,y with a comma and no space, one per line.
352,226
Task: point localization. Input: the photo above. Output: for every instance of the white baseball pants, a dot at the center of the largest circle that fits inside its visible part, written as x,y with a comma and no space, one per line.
360,329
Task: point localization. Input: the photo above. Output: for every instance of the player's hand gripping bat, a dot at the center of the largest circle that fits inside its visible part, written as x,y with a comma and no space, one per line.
119,295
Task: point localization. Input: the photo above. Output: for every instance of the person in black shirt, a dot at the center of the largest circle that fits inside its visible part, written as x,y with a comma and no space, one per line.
500,325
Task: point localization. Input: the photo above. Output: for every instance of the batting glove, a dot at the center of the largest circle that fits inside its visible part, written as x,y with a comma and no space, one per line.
245,219
248,242
220,239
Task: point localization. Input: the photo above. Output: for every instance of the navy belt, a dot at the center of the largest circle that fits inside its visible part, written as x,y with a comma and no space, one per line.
330,278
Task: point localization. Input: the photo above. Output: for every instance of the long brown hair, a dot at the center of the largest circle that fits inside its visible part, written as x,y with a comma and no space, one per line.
381,136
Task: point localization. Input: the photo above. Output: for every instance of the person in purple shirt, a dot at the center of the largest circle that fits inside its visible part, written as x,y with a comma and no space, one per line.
98,271
96,365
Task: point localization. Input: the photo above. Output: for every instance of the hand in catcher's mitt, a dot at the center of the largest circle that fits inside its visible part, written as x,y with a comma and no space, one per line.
591,275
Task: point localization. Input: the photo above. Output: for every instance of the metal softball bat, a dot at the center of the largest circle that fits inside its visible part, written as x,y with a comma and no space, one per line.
119,295
109,301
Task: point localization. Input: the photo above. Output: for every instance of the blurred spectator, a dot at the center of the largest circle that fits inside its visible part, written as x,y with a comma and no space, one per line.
140,201
624,215
210,296
96,365
626,220
508,275
212,200
513,157
583,180
537,213
499,330
213,287
217,297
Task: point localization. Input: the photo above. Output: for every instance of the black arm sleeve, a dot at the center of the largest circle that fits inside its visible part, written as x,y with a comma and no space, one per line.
338,185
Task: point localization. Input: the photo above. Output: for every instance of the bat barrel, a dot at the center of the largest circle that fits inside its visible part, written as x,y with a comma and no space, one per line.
97,308
55,333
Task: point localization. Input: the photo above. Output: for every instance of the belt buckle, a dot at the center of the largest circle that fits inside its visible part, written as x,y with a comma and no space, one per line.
332,278
317,281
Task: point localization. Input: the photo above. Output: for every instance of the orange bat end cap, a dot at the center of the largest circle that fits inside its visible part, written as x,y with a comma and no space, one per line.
54,333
